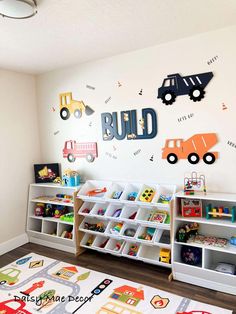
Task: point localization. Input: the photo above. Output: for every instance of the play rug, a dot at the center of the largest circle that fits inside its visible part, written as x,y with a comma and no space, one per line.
37,284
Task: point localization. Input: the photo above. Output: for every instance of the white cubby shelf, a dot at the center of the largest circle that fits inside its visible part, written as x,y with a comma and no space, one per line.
48,230
129,214
204,273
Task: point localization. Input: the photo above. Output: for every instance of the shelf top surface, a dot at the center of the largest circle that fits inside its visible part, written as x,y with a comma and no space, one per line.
55,185
214,196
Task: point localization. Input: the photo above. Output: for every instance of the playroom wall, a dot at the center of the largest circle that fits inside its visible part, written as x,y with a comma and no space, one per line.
140,160
19,151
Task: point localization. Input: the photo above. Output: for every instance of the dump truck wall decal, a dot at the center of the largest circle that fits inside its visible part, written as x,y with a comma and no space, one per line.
195,148
175,85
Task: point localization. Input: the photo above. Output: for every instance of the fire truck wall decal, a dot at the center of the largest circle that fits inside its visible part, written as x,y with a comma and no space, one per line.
73,150
69,106
175,85
129,125
13,307
195,148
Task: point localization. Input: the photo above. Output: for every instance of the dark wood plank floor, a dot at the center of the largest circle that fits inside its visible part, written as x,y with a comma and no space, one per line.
150,275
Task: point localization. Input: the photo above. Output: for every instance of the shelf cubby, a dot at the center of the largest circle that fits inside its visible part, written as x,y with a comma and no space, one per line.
111,246
34,224
127,226
49,227
127,247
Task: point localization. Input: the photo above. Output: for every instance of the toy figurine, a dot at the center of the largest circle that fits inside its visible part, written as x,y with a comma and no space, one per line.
90,241
132,196
39,209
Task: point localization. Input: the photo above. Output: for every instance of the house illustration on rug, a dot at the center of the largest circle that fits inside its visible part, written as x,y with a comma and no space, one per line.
66,272
128,295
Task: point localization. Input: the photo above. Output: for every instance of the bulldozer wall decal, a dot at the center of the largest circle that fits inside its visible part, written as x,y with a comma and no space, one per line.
69,106
195,148
175,85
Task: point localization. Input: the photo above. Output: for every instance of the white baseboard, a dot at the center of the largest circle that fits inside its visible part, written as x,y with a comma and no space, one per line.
13,243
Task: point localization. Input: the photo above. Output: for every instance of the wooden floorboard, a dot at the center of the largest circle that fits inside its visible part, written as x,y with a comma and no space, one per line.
146,274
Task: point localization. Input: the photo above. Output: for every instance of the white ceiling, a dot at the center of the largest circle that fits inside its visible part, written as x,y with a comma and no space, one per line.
66,32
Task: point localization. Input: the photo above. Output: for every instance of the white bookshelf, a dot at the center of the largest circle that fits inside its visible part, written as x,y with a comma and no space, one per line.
48,230
148,249
204,274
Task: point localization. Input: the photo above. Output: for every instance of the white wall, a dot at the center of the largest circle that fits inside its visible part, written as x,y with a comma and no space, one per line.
146,69
19,151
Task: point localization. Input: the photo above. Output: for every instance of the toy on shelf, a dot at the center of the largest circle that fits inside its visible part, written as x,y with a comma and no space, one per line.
86,210
58,180
132,196
132,216
118,246
147,234
117,213
156,216
226,268
187,231
116,195
101,211
164,256
194,183
233,240
219,212
67,234
60,210
133,250
97,192
164,199
117,228
39,209
208,240
98,227
130,232
191,255
90,241
147,195
68,217
191,207
103,244
71,178
49,211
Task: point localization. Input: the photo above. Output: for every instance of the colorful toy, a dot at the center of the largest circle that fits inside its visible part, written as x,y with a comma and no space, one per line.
103,244
117,213
191,255
219,212
233,240
133,215
191,207
148,234
60,210
130,232
226,268
164,256
156,216
48,211
86,210
98,227
147,195
118,246
101,211
117,195
90,241
39,209
97,192
133,250
187,231
117,228
68,217
70,178
67,234
58,180
194,183
164,199
132,196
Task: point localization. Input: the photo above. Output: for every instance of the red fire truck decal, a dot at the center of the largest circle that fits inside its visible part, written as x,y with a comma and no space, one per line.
5,307
73,150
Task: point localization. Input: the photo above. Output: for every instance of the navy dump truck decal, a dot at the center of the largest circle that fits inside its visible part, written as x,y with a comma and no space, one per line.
175,85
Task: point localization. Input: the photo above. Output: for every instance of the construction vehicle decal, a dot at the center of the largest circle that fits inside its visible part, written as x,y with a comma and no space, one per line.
195,148
70,106
175,85
73,150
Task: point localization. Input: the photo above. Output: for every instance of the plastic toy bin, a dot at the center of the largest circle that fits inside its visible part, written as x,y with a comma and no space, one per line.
92,185
129,226
115,187
130,188
97,207
111,246
88,205
111,225
127,249
92,221
149,253
85,239
112,209
144,230
127,212
100,241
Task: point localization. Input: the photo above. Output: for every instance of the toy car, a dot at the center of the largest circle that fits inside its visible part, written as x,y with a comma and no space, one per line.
164,256
132,196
